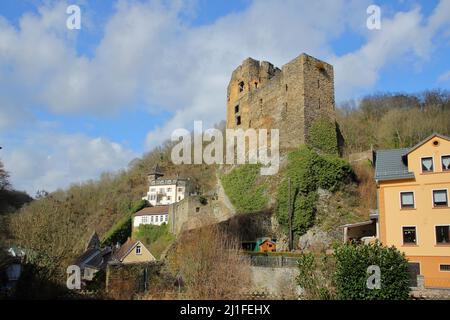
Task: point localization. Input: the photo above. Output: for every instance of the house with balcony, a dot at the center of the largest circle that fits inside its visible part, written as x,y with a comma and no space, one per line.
413,206
165,190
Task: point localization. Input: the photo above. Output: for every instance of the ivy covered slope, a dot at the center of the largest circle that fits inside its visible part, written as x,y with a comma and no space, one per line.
323,136
308,171
245,188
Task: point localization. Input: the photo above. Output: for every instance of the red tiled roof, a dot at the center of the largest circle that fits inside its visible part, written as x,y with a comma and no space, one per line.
153,211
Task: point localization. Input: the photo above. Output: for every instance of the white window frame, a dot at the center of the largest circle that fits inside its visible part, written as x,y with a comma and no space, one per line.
417,236
138,252
432,198
414,200
434,167
442,157
435,235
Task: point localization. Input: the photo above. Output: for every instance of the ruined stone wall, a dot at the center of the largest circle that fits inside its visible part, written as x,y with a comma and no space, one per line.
191,213
290,99
123,281
318,79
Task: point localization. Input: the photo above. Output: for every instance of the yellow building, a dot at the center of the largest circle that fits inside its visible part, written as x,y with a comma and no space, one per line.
133,251
413,206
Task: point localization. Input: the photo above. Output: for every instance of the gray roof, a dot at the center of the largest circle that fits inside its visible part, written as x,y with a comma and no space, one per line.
94,258
390,165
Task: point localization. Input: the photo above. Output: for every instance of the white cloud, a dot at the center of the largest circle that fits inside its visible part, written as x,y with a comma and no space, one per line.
149,56
53,160
405,38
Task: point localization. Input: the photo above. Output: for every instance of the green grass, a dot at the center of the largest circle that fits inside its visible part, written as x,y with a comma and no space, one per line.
155,238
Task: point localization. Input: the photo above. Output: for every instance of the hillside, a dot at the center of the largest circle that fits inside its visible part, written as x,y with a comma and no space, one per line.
56,227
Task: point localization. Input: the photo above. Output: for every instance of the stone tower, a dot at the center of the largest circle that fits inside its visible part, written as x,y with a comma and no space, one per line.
289,99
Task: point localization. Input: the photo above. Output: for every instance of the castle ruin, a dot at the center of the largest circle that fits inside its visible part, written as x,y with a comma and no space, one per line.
261,96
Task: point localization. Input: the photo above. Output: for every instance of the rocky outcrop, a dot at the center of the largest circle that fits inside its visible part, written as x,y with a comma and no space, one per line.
314,239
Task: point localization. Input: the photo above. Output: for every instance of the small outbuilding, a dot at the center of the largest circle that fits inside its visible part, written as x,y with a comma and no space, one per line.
265,245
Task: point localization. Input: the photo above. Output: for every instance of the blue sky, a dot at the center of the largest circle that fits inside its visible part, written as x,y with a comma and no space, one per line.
76,103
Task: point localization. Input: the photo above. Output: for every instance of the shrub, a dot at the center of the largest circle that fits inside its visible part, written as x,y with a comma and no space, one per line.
352,261
243,190
323,136
315,276
332,172
203,200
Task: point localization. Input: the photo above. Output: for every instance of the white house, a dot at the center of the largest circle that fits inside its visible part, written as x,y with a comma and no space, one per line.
151,215
166,190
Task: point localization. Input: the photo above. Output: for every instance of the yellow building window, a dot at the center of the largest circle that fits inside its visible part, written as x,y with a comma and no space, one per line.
407,200
440,198
442,234
427,164
445,163
409,235
445,267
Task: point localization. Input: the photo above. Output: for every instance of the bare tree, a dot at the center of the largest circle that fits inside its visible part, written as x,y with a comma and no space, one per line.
4,178
211,265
